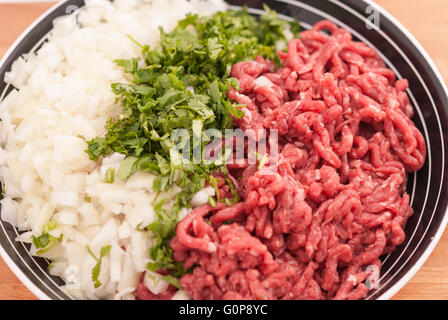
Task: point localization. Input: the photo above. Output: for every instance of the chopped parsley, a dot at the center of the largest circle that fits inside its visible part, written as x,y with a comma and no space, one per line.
110,175
46,241
168,278
97,268
177,96
230,221
211,201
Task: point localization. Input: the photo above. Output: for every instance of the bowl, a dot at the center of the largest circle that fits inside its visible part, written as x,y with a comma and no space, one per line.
402,53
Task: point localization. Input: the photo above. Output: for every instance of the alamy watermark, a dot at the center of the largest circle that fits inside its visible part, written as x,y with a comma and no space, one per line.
233,147
372,281
373,18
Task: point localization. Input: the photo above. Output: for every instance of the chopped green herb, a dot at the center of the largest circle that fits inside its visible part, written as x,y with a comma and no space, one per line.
168,278
50,226
178,91
236,198
50,265
97,268
46,241
161,253
138,227
110,175
262,162
172,280
42,241
127,167
97,147
211,201
214,184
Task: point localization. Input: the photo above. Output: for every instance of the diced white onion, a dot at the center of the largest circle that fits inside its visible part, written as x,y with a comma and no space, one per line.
9,210
201,197
180,295
154,283
263,82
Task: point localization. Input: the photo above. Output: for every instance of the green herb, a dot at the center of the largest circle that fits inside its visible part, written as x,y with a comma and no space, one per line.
211,201
50,265
183,84
236,198
262,161
178,92
50,226
168,278
110,175
230,221
271,26
46,241
42,241
214,183
139,227
127,167
163,230
97,147
97,268
172,280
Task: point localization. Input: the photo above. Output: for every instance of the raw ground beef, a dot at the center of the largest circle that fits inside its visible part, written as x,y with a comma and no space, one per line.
333,202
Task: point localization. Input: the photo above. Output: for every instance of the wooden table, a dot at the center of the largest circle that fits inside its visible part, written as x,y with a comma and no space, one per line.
427,20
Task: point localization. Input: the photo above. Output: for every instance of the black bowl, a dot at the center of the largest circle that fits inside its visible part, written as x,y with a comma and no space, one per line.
402,53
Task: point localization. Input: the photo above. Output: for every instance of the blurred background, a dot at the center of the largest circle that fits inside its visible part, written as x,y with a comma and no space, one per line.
426,20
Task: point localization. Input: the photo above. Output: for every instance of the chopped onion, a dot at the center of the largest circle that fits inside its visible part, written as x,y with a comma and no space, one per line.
180,295
154,283
9,210
201,197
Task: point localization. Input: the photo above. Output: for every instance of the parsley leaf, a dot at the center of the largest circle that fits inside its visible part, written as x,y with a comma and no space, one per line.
110,175
46,241
176,93
127,167
97,268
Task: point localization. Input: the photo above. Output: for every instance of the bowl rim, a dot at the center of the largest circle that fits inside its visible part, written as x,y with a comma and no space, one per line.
394,289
